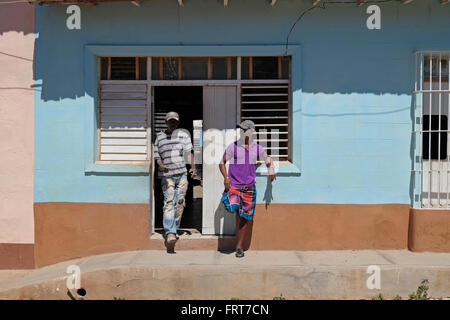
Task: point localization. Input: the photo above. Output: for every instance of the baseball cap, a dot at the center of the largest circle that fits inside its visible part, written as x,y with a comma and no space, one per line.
246,124
172,115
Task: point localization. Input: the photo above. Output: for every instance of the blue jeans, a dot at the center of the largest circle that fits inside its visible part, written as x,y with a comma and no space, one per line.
174,190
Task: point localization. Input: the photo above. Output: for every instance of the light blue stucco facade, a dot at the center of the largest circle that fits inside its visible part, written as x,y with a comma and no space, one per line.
352,91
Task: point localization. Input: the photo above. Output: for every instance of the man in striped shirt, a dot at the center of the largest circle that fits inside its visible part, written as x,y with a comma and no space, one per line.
172,147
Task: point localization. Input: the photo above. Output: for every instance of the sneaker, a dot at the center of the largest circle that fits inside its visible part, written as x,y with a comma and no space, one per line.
171,239
239,253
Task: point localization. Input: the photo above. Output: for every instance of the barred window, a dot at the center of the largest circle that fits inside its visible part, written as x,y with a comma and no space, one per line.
434,138
431,165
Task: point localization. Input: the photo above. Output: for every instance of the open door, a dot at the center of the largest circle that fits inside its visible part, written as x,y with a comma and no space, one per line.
219,130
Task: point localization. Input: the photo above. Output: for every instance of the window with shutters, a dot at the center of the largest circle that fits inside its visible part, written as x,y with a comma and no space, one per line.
123,118
267,102
124,91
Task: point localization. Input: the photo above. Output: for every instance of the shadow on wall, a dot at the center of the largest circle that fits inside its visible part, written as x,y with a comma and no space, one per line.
224,223
17,17
332,62
339,54
16,22
224,220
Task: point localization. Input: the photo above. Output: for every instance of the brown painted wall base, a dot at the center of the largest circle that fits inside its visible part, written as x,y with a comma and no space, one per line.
16,256
429,230
330,227
66,230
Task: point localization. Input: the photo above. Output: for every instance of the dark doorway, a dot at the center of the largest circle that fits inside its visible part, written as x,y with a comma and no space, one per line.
187,101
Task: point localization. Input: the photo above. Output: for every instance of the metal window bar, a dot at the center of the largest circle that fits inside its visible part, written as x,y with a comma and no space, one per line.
429,126
439,134
431,98
421,134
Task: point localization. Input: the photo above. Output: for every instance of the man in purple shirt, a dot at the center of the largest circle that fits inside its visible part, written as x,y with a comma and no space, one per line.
240,190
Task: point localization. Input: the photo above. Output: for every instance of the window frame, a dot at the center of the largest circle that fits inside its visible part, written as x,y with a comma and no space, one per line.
424,168
93,52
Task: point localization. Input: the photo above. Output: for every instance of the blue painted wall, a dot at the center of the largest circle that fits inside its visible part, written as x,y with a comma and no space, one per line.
353,102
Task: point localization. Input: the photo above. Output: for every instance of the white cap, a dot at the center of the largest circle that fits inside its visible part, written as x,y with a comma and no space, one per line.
172,115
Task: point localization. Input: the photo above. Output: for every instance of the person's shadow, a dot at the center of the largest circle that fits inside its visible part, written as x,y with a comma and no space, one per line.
268,196
225,228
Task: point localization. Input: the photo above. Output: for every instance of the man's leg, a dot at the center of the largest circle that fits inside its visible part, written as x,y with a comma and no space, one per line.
168,187
181,188
241,228
248,202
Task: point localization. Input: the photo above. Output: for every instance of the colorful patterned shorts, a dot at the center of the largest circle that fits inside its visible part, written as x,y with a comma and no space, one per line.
242,200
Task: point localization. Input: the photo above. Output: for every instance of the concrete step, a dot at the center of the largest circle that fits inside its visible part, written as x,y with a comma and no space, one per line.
220,275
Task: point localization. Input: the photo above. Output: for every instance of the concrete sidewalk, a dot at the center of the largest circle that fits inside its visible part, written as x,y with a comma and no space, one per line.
216,275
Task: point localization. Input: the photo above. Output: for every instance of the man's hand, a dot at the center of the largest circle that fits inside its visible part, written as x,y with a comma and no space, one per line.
161,166
164,168
223,170
270,171
272,177
227,183
192,172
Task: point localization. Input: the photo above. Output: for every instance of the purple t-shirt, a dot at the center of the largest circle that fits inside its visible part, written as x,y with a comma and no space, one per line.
242,170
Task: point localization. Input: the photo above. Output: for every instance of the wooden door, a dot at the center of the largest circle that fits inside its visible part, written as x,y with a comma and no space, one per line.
219,130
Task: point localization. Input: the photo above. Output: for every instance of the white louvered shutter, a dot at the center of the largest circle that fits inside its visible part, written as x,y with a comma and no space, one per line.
124,122
267,105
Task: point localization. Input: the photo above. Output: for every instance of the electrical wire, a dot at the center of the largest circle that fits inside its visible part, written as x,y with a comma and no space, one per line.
322,5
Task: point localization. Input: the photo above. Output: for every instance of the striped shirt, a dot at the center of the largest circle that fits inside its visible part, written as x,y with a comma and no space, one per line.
172,150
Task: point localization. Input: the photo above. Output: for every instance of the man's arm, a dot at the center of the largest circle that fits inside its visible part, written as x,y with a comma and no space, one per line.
158,158
270,169
223,170
189,148
162,166
193,170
